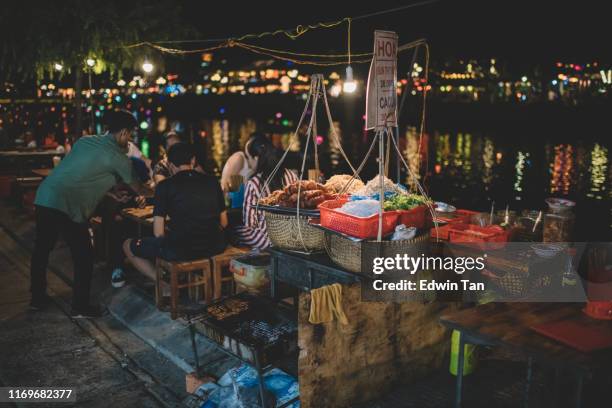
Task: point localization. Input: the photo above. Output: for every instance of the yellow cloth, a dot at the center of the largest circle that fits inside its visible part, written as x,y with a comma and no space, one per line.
326,304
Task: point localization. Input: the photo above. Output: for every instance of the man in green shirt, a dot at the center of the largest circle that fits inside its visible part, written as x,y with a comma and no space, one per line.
68,197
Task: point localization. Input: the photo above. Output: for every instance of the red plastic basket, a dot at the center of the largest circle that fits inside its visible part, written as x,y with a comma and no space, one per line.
358,227
458,217
414,217
468,233
601,310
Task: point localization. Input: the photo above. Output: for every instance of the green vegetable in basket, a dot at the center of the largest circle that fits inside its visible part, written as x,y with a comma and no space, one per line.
403,202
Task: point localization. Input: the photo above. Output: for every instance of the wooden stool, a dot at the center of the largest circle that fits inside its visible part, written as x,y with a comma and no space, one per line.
220,263
199,277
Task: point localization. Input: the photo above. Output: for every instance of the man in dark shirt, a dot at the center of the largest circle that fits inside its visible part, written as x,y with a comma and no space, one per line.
195,205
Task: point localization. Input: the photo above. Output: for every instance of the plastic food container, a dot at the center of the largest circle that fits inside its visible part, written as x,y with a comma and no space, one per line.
457,217
251,271
558,221
358,227
468,233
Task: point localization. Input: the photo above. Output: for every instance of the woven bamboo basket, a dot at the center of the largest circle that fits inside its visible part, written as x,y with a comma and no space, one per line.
284,233
517,284
349,254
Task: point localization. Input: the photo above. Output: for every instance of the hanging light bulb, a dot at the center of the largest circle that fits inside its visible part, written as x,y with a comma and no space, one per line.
349,85
90,62
147,67
58,66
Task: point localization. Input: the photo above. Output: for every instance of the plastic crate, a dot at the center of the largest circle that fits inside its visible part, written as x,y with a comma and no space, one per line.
414,217
358,227
468,233
457,217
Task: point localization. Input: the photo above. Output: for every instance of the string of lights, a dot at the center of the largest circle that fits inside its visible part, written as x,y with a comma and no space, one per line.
286,55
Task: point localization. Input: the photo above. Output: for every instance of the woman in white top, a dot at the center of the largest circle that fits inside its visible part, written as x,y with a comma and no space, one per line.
244,163
254,233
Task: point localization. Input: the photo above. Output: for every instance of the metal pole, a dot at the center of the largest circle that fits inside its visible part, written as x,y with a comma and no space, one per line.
193,345
398,161
528,382
381,178
262,394
460,360
579,390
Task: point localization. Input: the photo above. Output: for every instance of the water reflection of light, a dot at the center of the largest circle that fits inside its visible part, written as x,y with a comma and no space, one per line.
412,153
458,155
441,152
467,155
488,161
217,141
334,150
521,158
598,169
248,127
562,167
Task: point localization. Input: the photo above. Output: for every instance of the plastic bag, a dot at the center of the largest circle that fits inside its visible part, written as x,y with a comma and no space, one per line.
240,385
403,233
361,208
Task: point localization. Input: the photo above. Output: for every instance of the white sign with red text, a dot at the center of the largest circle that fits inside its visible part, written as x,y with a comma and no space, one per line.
381,97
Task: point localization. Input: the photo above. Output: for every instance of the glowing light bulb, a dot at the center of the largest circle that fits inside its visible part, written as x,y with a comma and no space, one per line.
147,67
349,85
90,62
58,66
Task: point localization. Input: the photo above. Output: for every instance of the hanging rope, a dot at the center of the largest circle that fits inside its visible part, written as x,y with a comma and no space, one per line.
296,32
282,55
419,187
422,127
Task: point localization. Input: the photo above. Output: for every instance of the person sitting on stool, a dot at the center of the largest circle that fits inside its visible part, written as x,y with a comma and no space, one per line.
195,205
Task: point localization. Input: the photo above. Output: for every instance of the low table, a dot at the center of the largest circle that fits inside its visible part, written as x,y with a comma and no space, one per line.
42,172
509,325
141,216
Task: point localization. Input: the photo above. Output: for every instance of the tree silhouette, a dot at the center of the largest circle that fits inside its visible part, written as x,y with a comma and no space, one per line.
36,35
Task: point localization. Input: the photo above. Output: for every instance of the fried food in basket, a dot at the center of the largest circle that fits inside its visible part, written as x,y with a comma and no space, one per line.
338,182
311,195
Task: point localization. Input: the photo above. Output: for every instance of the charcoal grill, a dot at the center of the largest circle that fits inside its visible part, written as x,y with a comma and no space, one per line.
256,330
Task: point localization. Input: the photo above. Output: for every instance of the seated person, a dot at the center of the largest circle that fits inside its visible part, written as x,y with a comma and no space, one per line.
162,169
50,141
30,140
244,163
253,233
195,205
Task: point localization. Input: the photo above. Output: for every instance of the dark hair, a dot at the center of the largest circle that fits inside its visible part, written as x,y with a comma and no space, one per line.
199,151
180,154
257,143
118,120
172,135
268,159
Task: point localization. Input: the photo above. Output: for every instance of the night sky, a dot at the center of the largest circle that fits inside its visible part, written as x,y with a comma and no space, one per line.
525,32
